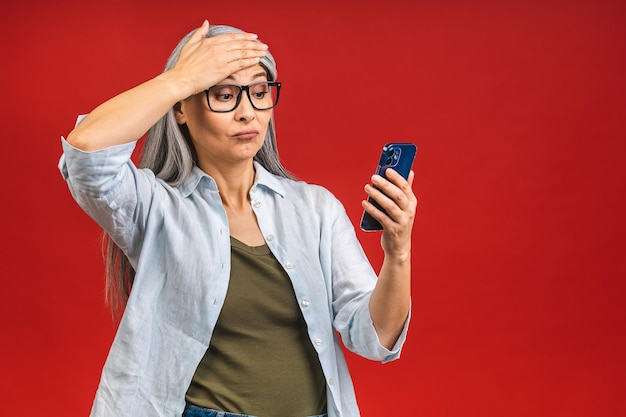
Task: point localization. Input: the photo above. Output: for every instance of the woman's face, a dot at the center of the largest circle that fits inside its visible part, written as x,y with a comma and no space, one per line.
226,138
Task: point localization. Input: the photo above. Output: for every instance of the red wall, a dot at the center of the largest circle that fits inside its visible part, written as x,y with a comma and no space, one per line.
518,110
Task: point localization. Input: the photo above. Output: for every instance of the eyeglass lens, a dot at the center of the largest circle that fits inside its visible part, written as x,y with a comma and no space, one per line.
225,97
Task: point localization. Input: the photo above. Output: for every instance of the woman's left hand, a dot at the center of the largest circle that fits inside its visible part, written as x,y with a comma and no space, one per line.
395,195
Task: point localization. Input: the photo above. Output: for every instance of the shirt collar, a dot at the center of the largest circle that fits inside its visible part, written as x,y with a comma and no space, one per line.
263,179
268,180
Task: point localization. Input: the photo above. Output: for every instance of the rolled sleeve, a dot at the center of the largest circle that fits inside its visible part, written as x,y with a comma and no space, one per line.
97,173
353,283
364,334
110,189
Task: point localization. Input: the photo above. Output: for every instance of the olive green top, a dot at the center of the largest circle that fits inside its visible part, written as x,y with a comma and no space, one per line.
260,361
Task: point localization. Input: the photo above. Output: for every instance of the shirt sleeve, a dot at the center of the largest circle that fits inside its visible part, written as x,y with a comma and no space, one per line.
111,190
353,283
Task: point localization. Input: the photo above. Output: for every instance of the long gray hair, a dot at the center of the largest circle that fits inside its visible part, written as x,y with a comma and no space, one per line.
169,153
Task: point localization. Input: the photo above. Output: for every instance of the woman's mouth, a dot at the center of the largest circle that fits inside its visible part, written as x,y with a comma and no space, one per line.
247,134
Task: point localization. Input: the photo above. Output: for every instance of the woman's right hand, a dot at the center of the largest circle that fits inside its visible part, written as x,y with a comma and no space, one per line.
204,62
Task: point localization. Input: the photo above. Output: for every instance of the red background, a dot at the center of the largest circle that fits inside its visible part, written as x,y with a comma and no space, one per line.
517,108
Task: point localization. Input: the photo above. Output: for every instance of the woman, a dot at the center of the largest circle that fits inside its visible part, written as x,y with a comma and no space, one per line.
240,275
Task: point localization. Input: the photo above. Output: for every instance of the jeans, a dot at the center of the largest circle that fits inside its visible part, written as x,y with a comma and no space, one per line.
194,411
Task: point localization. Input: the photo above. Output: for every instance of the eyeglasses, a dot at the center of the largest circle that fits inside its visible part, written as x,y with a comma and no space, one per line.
224,98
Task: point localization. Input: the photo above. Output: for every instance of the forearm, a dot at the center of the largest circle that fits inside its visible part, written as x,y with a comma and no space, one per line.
390,301
129,115
202,62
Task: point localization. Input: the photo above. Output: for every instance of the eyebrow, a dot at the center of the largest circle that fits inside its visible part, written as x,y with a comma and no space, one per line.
260,74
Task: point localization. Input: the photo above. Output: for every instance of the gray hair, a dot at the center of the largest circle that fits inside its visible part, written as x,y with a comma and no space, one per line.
169,153
168,150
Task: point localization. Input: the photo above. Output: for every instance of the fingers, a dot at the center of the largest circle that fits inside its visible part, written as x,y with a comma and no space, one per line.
203,30
234,47
244,50
392,213
200,33
245,43
230,42
411,177
204,62
231,56
394,195
233,37
395,188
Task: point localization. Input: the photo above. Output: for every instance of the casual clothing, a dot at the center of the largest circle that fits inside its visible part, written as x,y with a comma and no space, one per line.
193,411
177,240
261,360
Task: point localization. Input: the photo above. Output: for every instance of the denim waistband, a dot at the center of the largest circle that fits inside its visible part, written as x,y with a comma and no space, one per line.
195,411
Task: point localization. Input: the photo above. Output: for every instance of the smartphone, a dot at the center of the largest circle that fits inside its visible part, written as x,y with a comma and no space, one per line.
399,157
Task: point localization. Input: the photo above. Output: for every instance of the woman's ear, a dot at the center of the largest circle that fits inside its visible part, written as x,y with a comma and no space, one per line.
181,118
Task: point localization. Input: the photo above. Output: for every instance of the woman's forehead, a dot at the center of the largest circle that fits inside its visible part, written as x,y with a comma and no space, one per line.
246,75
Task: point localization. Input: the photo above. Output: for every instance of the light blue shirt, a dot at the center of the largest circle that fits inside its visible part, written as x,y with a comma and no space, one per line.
177,240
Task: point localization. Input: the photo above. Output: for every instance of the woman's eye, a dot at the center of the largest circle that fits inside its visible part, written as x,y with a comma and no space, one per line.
259,91
223,96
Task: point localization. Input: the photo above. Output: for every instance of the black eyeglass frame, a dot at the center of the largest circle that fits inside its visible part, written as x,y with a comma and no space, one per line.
245,88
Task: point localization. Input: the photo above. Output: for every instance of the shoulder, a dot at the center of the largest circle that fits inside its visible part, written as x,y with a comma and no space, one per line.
291,189
305,197
296,189
313,201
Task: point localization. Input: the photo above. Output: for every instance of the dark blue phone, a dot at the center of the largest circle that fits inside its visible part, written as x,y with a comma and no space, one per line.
399,157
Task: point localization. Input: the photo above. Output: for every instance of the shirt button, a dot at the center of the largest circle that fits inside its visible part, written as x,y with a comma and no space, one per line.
270,238
305,303
331,381
289,265
318,342
253,189
257,204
